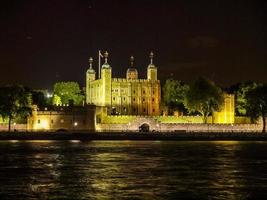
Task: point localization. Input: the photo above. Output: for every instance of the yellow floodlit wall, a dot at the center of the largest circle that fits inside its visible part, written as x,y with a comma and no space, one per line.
76,118
227,113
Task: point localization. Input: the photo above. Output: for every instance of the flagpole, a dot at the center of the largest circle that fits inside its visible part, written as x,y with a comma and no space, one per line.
99,60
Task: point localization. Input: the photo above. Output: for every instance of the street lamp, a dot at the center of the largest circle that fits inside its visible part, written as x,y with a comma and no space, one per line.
48,95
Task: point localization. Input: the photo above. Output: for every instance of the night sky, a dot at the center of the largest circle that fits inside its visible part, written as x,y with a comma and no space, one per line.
42,42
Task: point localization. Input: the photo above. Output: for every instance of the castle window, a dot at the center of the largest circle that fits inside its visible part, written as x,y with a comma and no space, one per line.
134,91
153,110
144,110
133,99
124,98
144,91
113,98
52,121
153,92
143,99
39,121
153,99
134,109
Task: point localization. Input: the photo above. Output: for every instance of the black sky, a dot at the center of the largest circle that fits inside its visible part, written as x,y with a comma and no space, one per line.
46,41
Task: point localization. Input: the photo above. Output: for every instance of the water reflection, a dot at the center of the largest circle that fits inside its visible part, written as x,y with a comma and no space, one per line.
227,174
132,169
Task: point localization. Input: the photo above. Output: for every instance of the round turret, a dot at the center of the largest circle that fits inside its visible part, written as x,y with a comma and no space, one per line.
90,70
132,72
106,65
151,65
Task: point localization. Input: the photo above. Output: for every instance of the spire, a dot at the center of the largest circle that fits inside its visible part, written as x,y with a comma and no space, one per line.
151,55
106,57
132,61
90,62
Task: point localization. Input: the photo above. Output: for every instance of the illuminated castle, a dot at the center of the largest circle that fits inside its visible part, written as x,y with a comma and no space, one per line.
124,96
124,104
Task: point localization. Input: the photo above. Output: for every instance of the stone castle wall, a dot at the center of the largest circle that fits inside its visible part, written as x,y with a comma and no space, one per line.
172,123
181,127
124,119
17,127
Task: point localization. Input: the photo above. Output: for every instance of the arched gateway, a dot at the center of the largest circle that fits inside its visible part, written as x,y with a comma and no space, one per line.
144,128
144,124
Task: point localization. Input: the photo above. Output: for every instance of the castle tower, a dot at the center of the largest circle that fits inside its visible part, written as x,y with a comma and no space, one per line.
106,76
132,72
151,69
90,76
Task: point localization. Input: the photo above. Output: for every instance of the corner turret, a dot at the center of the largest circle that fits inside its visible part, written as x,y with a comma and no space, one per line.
106,65
90,76
91,72
151,69
106,75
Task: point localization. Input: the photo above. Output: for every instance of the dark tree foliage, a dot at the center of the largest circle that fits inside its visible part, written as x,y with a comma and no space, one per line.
38,98
174,95
240,90
15,101
257,104
204,97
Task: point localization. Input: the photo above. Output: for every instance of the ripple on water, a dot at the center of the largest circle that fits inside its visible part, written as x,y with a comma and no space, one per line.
132,169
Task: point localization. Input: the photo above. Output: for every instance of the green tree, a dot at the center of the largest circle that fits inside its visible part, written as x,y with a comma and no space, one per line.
240,90
174,95
257,104
68,92
15,101
56,100
204,97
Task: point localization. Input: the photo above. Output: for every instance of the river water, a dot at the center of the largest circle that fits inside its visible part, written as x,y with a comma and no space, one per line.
133,170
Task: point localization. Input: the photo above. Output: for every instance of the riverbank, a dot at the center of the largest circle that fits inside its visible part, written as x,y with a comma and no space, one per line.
132,136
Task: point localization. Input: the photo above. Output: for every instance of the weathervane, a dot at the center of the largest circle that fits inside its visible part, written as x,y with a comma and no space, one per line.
151,55
90,62
106,57
132,61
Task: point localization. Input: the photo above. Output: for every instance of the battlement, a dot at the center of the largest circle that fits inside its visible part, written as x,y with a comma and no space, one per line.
130,80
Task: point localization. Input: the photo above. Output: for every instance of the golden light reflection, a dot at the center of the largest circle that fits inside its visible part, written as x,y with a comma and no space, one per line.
13,141
40,141
108,166
225,178
226,142
75,141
